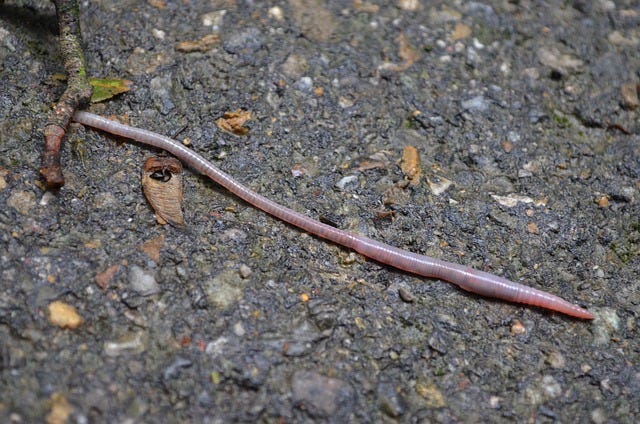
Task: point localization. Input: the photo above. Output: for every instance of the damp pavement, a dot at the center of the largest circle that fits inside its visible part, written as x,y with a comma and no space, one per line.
525,119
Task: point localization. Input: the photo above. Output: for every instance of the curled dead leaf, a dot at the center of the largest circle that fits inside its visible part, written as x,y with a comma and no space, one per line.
162,186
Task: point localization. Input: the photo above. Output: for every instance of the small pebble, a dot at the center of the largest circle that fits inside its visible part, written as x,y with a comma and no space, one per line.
348,259
173,370
494,402
131,344
514,137
390,400
213,19
64,315
323,314
244,271
476,104
511,200
460,32
322,397
216,347
104,278
304,84
602,201
629,93
47,197
409,5
348,180
60,410
275,13
438,185
556,359
550,387
295,66
406,295
158,33
233,234
536,116
433,396
105,200
598,416
564,64
345,102
517,328
606,325
617,38
238,329
439,342
224,289
244,41
625,194
142,282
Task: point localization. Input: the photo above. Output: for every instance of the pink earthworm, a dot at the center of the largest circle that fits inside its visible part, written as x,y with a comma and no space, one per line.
467,278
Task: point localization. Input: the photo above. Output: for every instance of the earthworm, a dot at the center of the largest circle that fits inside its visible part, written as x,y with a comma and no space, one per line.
467,278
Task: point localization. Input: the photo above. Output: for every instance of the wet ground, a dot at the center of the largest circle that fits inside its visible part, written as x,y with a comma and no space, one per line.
525,118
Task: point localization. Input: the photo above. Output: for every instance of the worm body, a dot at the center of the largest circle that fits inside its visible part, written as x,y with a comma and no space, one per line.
466,278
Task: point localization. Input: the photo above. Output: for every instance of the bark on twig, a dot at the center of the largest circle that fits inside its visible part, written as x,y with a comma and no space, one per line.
77,94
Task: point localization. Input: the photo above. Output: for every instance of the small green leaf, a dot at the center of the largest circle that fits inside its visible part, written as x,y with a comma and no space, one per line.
106,88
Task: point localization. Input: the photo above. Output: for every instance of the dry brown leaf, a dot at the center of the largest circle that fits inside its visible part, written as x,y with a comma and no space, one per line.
233,122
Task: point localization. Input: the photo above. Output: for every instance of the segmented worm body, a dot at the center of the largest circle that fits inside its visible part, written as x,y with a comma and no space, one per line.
466,278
